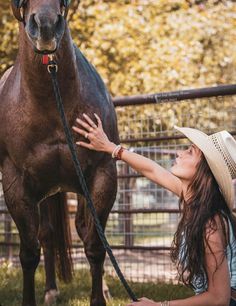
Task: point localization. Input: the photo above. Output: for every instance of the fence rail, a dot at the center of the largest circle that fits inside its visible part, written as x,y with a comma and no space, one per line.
179,95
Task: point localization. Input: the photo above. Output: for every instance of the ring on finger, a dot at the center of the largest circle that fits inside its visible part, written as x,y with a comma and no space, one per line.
86,135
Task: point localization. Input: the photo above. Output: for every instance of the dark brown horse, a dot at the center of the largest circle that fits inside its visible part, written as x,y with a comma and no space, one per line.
34,157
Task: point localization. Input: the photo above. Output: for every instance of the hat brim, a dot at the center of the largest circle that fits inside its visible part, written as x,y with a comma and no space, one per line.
214,160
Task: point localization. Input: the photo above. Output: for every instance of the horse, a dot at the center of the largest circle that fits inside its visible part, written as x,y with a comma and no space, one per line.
35,160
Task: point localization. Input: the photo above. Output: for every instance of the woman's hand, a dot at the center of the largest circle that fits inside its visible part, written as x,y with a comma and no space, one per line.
94,133
144,302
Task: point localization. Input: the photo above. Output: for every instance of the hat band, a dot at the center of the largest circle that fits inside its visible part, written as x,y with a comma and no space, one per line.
217,141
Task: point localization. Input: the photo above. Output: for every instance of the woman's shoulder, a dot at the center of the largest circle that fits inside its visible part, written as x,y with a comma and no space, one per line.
215,222
217,229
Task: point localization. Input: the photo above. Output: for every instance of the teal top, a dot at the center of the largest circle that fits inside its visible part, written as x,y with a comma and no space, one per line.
200,286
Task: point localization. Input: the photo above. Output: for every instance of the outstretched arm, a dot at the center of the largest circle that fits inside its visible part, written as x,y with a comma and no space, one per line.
147,167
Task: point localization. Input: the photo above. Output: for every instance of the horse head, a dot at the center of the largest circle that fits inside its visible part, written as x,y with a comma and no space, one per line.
44,22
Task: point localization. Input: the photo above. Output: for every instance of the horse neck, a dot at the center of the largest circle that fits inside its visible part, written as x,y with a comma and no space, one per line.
35,78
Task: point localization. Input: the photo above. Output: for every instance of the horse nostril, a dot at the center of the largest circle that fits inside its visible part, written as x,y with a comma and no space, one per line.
33,26
60,25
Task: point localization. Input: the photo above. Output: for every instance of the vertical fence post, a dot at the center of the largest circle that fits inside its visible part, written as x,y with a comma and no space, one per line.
128,222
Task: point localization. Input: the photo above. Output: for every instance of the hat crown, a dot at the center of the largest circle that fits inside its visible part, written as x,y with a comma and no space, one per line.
226,146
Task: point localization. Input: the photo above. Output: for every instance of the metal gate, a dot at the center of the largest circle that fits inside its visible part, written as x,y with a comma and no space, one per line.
144,217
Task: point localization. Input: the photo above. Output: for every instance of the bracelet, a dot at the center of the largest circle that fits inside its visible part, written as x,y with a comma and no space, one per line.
119,153
113,155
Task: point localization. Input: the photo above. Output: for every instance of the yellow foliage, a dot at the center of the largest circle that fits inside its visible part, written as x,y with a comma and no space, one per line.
153,46
147,46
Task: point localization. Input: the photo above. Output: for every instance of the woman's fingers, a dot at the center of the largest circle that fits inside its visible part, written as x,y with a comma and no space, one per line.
89,125
78,130
90,121
134,303
89,136
84,124
85,145
98,120
95,134
143,302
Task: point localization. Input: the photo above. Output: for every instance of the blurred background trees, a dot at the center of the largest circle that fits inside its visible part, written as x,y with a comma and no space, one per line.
144,46
147,46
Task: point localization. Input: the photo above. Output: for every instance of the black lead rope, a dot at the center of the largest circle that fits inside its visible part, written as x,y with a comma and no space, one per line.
52,69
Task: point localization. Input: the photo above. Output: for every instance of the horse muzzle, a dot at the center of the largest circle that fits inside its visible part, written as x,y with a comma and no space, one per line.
45,31
46,47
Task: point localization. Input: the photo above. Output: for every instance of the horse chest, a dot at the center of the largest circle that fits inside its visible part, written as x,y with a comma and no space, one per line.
55,161
35,137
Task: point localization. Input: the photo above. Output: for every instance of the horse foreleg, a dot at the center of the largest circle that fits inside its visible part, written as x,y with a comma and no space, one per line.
24,212
103,192
46,240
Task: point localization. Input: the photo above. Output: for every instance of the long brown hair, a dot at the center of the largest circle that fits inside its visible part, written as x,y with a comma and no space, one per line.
188,247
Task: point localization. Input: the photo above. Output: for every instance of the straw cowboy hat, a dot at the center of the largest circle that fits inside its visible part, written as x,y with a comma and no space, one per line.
219,150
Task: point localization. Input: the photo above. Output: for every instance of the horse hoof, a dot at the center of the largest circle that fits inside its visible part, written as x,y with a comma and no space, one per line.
106,291
51,297
107,295
98,303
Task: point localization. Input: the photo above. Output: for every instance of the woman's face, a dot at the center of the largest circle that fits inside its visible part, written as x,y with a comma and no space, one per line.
185,164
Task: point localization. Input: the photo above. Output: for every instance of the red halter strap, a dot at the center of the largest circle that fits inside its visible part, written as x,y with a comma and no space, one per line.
45,59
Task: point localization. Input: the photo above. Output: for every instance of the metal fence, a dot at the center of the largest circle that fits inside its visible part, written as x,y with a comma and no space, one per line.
145,216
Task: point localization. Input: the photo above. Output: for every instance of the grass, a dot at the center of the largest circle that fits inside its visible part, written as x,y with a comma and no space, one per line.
77,293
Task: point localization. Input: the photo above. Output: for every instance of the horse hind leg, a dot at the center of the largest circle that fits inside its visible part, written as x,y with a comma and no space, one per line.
103,192
51,297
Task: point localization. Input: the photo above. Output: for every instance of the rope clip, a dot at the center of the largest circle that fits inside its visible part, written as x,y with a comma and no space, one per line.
51,64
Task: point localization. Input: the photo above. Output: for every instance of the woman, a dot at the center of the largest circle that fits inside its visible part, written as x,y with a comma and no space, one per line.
204,245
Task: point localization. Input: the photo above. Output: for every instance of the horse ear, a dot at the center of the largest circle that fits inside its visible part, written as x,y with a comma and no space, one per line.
15,3
16,9
66,4
18,3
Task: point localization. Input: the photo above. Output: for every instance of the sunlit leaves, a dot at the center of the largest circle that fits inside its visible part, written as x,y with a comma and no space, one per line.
147,46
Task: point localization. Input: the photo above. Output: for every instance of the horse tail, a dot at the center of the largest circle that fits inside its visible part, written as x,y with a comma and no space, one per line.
59,219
